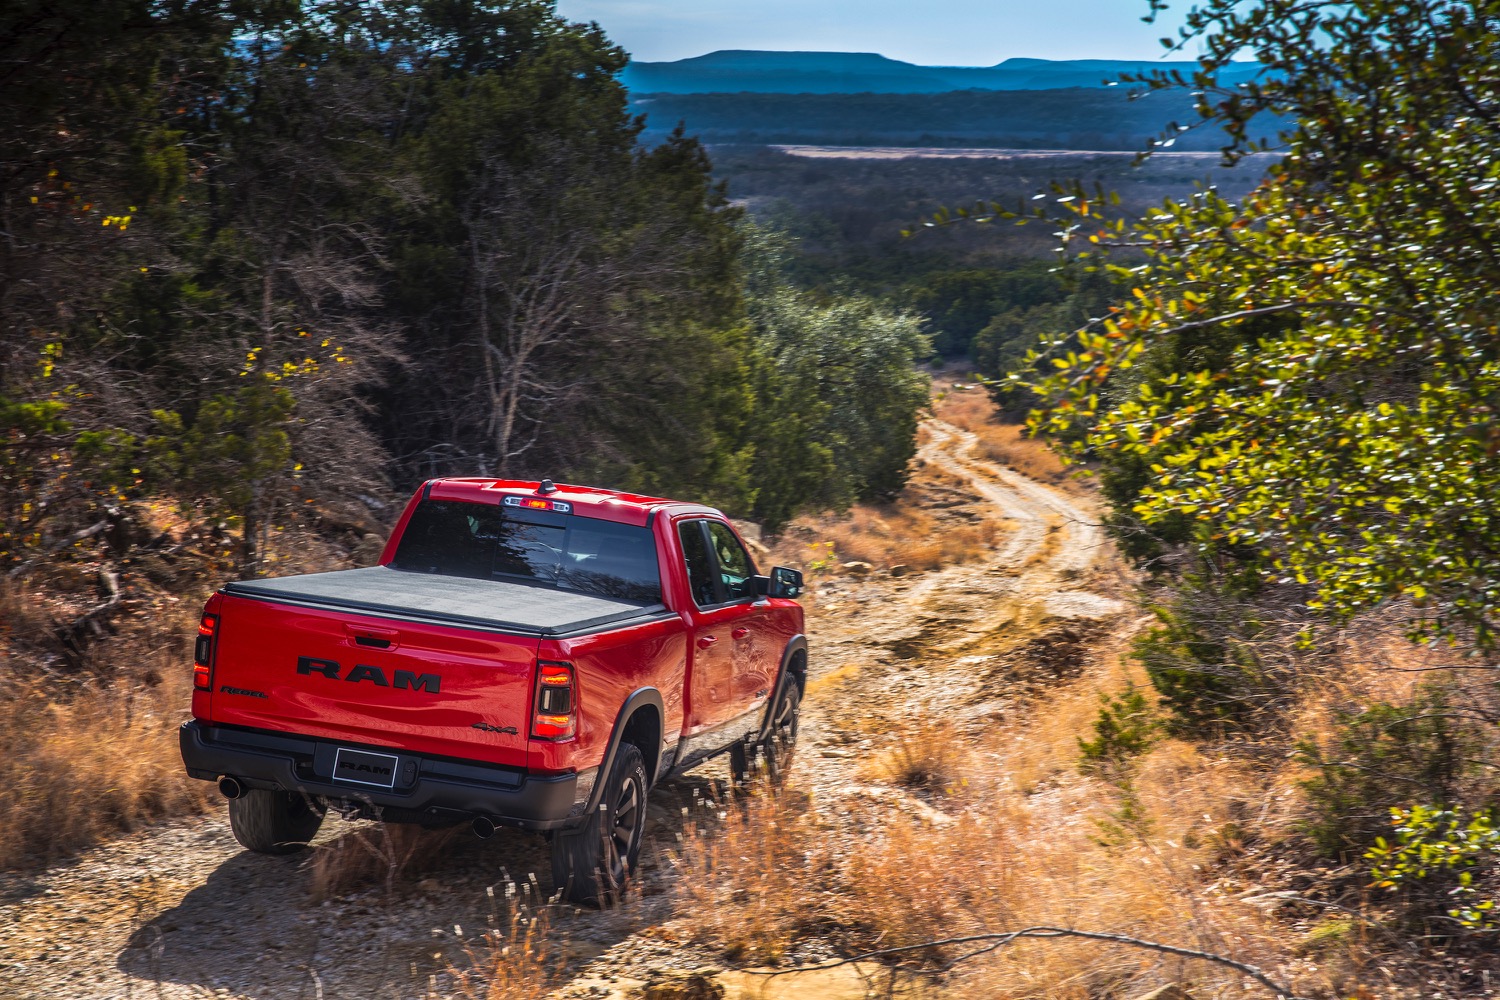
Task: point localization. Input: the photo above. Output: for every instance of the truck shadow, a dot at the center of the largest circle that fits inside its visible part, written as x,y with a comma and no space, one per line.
374,911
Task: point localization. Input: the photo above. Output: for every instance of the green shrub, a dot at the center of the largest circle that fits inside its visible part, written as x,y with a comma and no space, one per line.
1208,659
1126,727
1382,757
1437,859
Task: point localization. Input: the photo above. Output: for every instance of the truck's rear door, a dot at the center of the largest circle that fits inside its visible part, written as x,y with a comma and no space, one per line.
423,687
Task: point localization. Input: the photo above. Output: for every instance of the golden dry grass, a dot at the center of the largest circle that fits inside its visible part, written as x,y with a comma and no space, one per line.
1003,443
78,768
88,746
518,957
88,742
994,863
920,753
22,616
746,872
895,535
1026,838
1166,849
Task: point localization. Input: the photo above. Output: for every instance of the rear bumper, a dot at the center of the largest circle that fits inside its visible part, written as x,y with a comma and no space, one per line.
426,789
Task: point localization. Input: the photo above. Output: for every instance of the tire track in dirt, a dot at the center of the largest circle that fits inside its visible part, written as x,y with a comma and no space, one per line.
1052,541
890,650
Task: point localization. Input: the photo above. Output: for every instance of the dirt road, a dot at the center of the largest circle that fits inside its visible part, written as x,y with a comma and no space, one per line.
179,911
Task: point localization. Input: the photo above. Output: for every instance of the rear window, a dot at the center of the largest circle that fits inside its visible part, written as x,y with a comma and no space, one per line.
567,551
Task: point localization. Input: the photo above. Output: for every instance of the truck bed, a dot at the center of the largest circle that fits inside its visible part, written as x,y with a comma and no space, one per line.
500,605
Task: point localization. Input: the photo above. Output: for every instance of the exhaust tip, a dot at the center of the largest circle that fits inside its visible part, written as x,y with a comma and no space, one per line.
484,829
230,788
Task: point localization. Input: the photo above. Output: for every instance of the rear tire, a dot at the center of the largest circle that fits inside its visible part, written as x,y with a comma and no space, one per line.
268,822
592,863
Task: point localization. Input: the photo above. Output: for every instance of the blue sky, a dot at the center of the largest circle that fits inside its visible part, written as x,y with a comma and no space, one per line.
927,32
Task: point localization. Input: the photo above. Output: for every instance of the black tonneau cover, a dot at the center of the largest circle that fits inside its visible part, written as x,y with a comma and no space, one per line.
503,605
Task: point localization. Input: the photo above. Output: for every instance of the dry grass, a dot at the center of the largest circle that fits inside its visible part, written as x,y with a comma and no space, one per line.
22,615
1176,846
88,742
1008,445
898,535
747,870
517,958
1015,835
1010,864
77,768
89,707
922,755
992,863
378,854
1003,443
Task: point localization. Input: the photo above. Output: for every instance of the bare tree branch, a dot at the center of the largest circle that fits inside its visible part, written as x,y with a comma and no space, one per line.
1000,940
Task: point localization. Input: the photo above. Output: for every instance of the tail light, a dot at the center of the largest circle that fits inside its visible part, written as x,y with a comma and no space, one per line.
203,653
556,702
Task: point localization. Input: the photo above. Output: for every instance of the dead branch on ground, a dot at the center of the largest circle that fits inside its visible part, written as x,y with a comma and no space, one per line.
999,940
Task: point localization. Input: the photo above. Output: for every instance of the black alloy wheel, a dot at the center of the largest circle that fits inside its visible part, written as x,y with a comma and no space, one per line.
782,739
591,864
628,822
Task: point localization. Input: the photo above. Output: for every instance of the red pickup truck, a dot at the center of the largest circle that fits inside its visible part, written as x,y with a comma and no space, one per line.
526,654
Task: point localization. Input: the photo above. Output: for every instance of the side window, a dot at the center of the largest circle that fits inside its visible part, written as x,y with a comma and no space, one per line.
699,563
735,567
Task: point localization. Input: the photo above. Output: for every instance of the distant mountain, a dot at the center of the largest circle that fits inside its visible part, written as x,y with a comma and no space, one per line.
750,71
1057,118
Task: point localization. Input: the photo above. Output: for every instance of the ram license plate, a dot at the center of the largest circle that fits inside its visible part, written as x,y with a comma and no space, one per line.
360,767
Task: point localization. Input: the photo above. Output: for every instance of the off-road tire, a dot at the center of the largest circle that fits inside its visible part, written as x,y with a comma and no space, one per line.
742,763
776,749
592,863
270,822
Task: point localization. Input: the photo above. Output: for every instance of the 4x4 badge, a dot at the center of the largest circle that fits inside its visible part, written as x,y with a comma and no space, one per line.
486,727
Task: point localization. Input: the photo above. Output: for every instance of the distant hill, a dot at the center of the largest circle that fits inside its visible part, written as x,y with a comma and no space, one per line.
1059,118
752,71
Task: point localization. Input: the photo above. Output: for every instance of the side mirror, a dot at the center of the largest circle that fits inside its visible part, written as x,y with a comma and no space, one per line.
785,582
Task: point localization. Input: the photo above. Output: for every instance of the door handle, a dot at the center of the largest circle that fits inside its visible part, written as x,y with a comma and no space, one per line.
740,633
705,641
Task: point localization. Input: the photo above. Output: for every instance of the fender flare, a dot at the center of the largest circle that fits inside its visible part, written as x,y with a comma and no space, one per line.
796,644
639,698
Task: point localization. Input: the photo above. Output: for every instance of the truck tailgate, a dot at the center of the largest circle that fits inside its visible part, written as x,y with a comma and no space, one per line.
373,680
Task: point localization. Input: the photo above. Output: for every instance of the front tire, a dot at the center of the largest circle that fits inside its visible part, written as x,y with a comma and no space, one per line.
779,743
742,764
268,822
591,864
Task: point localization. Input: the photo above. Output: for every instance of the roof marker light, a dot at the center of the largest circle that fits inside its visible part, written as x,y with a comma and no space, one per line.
532,503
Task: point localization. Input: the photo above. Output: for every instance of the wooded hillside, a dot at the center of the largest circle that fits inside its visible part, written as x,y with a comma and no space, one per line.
273,258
